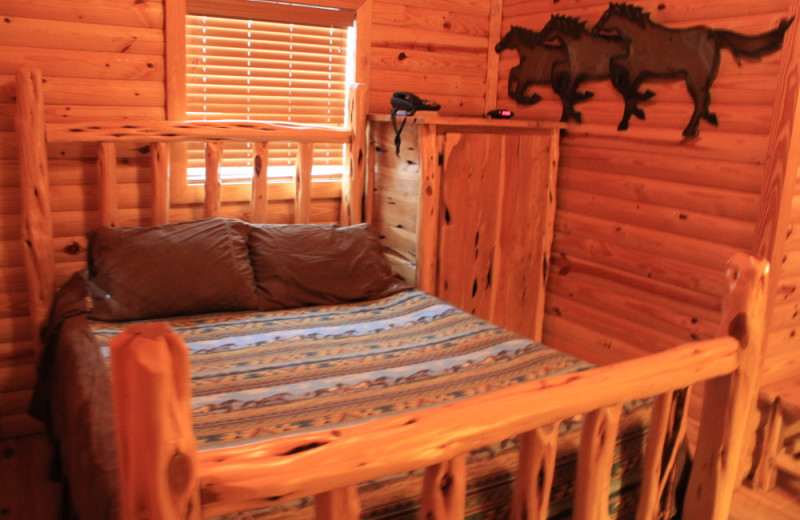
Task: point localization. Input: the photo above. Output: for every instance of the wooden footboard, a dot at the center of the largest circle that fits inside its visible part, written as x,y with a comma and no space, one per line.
173,481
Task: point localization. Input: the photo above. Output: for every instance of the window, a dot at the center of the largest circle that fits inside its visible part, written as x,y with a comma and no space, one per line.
243,66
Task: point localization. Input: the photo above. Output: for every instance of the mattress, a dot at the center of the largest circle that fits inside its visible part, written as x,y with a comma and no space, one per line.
258,375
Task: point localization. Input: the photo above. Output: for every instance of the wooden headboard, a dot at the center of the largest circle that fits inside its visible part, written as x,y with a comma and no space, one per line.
34,134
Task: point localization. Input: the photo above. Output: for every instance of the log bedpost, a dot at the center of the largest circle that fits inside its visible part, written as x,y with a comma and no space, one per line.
155,445
354,180
107,183
213,185
302,183
429,206
729,401
37,224
159,164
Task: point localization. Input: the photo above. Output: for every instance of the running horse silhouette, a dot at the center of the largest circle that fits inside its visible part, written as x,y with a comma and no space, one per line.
589,58
535,63
691,53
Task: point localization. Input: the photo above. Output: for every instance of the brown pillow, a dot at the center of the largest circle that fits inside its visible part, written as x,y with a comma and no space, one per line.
182,268
300,265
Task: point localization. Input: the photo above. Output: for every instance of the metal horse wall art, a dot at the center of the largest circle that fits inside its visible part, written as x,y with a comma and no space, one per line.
588,57
628,48
692,54
536,62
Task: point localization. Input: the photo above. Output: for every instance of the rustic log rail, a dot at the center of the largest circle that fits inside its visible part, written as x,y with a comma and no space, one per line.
330,463
34,134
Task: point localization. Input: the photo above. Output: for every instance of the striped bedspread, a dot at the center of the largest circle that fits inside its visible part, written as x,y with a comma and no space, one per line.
257,375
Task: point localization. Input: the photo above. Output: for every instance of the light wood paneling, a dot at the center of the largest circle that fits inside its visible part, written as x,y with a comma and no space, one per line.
645,215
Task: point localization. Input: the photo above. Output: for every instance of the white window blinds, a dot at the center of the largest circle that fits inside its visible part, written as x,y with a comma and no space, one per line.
240,68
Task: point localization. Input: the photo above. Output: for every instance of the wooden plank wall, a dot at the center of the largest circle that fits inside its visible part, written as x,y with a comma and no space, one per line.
437,49
396,195
101,59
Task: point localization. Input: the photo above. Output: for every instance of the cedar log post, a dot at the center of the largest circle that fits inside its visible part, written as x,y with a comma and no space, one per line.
213,185
302,183
37,224
595,461
666,433
107,183
354,178
444,490
159,166
729,401
339,504
155,444
537,463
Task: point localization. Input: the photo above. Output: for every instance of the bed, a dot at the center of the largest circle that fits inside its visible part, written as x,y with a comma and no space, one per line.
393,454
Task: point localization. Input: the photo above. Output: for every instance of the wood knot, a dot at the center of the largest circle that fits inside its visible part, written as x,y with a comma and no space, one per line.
73,249
738,328
179,472
304,447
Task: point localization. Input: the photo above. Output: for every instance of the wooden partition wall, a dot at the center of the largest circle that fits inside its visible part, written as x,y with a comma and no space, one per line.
465,209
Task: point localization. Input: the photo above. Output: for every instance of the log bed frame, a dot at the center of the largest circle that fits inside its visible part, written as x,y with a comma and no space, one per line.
163,476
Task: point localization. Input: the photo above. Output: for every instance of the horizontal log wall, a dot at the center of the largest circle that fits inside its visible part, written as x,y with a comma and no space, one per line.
437,49
646,218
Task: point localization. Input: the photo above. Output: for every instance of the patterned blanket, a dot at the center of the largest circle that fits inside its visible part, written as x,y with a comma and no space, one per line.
258,375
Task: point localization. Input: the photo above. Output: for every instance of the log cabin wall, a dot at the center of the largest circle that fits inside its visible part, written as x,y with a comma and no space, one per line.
100,60
645,219
438,49
645,222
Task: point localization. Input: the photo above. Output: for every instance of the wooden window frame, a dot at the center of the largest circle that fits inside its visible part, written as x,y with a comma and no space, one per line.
181,192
